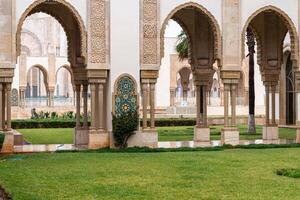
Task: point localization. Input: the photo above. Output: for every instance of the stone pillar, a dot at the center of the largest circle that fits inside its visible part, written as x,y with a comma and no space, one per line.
233,105
1,104
145,95
152,105
172,97
85,105
204,106
267,120
93,106
78,88
226,106
100,107
4,106
273,88
198,105
270,131
8,109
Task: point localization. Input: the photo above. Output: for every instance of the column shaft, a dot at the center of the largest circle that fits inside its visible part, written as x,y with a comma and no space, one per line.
78,87
198,104
145,95
204,104
100,107
85,105
8,90
226,109
267,105
152,105
93,106
273,105
3,107
233,105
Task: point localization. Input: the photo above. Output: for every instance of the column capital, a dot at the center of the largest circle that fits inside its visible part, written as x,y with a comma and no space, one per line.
230,76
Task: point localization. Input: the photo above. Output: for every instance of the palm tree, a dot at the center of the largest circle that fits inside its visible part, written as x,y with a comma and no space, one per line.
251,49
182,46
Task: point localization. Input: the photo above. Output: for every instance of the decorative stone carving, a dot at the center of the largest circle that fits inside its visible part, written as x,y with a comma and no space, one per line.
150,32
125,96
97,35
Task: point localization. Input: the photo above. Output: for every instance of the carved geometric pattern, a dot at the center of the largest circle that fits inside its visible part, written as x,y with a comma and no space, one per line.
97,27
150,31
125,95
14,97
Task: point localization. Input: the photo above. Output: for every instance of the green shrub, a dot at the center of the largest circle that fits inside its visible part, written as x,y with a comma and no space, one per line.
1,140
290,172
124,126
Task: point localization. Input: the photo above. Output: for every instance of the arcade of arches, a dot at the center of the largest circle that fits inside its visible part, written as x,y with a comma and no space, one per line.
58,53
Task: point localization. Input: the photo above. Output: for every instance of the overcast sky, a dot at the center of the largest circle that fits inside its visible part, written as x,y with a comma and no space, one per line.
173,29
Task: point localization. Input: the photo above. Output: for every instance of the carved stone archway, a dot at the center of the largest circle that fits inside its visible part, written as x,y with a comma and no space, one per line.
289,24
69,69
70,20
212,21
44,72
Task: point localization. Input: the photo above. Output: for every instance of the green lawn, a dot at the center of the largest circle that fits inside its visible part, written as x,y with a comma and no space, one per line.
48,136
178,133
230,174
186,133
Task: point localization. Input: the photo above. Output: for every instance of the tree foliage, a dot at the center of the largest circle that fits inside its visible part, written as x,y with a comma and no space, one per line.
182,46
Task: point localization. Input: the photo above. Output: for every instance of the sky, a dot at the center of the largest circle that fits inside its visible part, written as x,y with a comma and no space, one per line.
172,29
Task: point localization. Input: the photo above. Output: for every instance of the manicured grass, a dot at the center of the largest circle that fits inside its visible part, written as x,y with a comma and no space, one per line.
48,136
228,174
178,133
186,133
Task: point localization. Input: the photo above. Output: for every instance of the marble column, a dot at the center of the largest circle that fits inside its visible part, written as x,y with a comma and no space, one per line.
172,97
78,88
85,105
145,102
226,105
273,88
152,105
198,104
1,109
8,109
267,105
100,107
204,106
93,105
233,105
4,106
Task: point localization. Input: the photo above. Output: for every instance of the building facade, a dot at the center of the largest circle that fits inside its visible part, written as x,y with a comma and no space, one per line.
112,40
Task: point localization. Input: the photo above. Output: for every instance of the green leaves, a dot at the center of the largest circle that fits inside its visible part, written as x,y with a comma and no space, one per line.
182,46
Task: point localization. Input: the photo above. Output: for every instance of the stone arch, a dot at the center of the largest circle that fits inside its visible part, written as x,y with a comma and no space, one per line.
37,42
69,69
44,72
213,23
119,100
71,22
289,24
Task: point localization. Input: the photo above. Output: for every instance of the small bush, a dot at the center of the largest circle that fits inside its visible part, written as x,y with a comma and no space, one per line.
290,172
1,140
124,126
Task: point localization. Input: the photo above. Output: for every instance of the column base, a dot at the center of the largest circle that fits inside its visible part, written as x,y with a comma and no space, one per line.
145,138
230,135
98,139
8,143
298,135
201,137
270,135
81,136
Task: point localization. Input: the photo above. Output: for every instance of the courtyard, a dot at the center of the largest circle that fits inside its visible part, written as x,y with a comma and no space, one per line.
222,174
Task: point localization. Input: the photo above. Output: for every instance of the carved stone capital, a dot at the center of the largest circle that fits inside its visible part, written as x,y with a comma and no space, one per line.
230,76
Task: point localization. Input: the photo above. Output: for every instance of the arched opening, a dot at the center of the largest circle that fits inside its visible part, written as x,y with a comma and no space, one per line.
37,86
267,30
290,92
190,37
64,87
